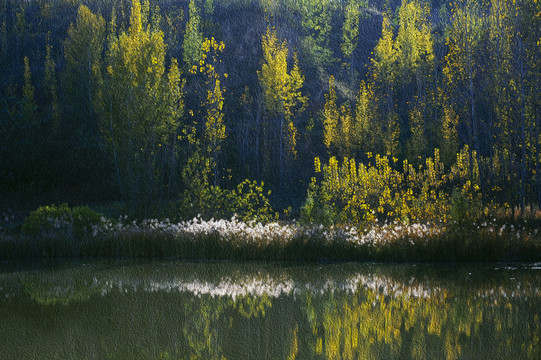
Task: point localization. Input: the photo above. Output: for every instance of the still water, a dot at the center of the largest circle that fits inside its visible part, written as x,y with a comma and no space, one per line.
225,310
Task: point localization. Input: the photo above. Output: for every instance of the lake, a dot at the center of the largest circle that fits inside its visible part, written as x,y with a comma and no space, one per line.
253,310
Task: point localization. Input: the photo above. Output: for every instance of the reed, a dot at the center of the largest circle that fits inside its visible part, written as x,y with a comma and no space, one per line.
237,240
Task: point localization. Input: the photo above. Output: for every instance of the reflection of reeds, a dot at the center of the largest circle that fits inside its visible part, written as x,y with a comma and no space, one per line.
379,309
234,239
76,283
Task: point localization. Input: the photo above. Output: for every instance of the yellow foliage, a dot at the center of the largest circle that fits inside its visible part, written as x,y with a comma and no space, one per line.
360,193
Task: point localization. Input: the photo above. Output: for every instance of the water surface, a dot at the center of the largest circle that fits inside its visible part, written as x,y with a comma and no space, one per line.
225,310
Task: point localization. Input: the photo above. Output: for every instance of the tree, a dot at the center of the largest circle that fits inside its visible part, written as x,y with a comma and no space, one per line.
282,98
28,105
317,23
366,135
50,85
213,102
330,116
383,76
193,37
141,115
83,73
350,32
461,71
415,62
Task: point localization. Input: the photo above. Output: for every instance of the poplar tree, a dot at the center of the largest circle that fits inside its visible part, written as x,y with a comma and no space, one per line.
350,33
282,97
193,37
415,62
137,121
503,90
50,85
461,71
28,105
213,103
83,79
330,116
384,74
317,22
367,136
346,132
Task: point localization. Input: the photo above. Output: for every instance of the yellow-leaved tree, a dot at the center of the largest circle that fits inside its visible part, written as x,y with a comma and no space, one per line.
283,102
461,75
383,77
214,132
140,115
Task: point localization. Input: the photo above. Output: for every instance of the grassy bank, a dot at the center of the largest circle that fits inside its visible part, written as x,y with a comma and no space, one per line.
234,239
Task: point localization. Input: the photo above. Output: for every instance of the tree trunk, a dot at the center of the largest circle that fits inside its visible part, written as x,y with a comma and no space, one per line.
119,178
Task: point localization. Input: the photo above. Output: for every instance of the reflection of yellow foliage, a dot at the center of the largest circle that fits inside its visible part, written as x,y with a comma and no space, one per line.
362,325
294,344
252,306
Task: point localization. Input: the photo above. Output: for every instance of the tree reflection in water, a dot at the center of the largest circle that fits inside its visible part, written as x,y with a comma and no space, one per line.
270,311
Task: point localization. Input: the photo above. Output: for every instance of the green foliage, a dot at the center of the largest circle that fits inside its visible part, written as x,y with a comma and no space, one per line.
193,37
459,207
51,220
317,208
281,88
83,76
440,75
49,82
213,102
140,114
317,23
249,202
283,102
330,116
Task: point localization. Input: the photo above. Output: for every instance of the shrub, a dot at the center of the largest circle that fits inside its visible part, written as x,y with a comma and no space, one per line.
248,201
389,191
315,210
47,220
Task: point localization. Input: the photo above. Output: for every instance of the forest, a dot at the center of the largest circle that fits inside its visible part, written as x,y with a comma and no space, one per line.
330,111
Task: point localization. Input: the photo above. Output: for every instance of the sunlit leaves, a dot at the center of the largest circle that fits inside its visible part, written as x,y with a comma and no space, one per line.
84,64
143,109
193,37
362,193
281,87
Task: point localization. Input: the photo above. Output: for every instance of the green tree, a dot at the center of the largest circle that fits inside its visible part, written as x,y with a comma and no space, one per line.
317,23
28,105
366,135
349,130
350,33
50,85
383,76
415,62
193,37
83,73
